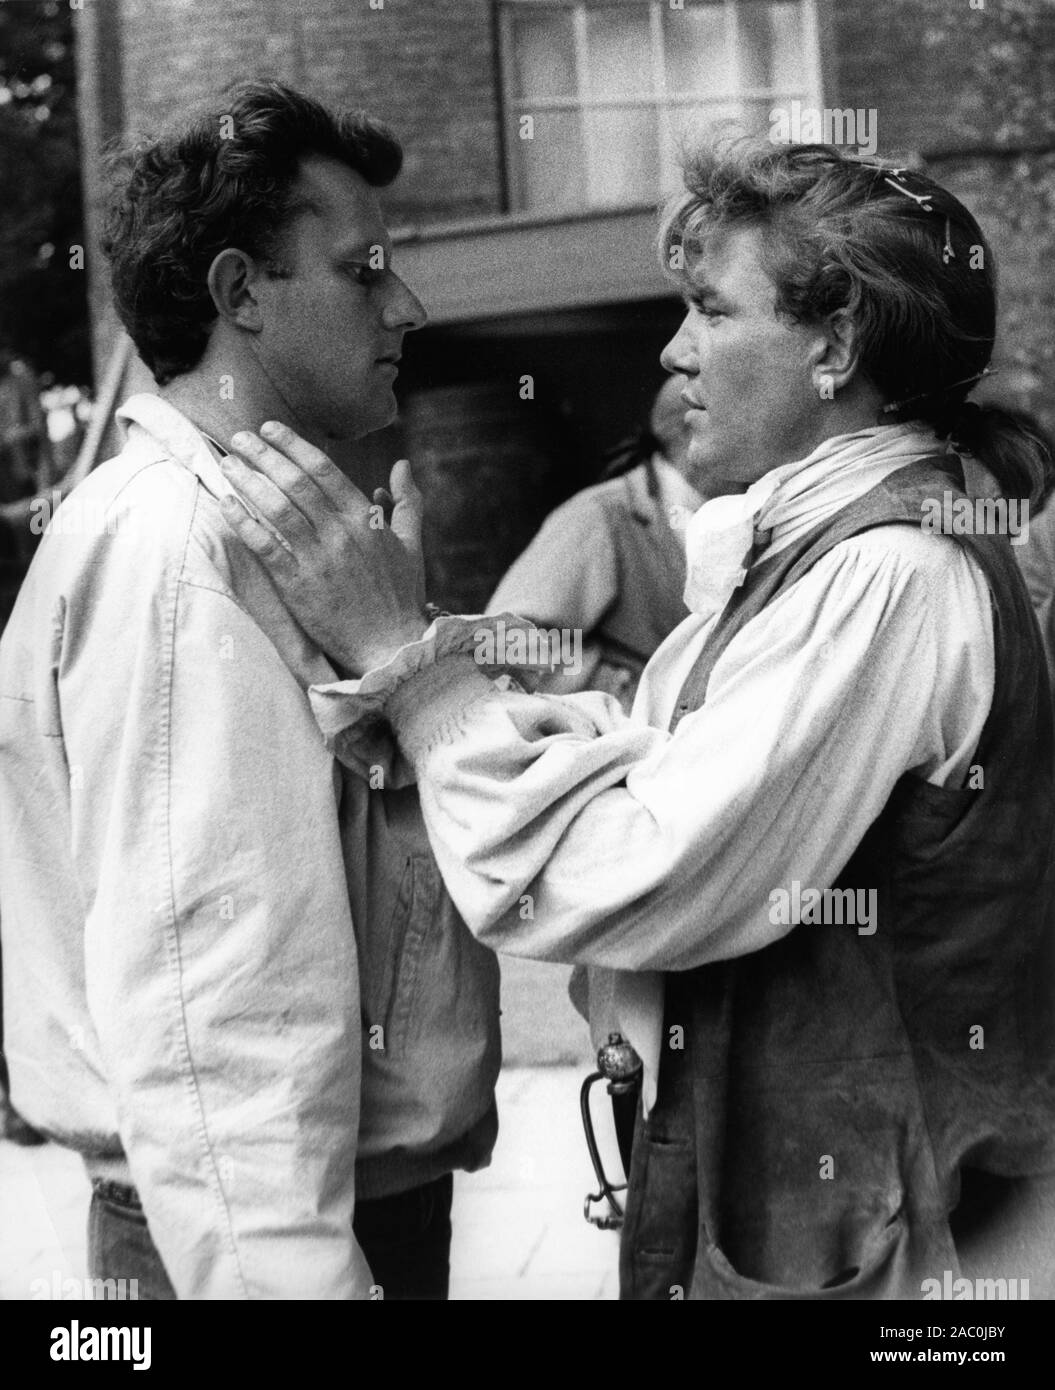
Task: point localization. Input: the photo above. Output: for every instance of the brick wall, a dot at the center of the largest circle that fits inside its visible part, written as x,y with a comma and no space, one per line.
425,66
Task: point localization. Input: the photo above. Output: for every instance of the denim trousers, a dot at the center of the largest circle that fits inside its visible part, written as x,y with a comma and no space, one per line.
406,1239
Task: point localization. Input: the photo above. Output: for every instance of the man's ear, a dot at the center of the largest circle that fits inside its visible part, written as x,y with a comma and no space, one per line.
231,280
836,354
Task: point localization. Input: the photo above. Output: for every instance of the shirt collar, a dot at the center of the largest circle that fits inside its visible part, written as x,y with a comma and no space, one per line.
148,419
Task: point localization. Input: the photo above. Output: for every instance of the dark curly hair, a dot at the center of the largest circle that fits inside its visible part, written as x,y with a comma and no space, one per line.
225,179
895,251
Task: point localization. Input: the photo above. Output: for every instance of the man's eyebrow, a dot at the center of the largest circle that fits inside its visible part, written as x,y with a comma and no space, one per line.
303,203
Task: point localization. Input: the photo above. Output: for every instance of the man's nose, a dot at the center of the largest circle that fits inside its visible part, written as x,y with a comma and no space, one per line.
404,309
680,353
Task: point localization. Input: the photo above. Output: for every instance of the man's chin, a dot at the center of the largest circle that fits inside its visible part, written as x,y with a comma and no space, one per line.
721,471
707,465
364,422
713,475
381,414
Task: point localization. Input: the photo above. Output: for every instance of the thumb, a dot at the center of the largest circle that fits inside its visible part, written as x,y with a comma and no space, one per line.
407,512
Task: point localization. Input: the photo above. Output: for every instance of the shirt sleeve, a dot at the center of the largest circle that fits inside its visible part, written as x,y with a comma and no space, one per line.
220,960
566,835
568,576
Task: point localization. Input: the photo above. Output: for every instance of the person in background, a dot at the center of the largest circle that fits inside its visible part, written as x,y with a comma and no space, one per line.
610,562
26,463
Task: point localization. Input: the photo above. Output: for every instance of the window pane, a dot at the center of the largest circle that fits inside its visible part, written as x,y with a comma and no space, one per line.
619,49
689,124
544,54
695,53
624,156
772,51
552,168
754,116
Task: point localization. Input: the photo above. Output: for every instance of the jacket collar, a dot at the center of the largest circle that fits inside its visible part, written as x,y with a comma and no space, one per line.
150,422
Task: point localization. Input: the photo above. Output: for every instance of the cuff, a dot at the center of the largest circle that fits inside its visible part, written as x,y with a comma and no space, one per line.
420,691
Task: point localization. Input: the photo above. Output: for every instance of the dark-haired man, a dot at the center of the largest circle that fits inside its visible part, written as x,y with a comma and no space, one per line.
819,853
208,938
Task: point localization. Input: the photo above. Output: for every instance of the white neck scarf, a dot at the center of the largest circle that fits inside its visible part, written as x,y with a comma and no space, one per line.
789,501
719,544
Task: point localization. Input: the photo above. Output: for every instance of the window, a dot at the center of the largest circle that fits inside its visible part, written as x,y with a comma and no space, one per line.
598,93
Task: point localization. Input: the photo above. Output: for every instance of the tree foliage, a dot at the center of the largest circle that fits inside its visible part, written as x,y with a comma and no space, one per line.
43,298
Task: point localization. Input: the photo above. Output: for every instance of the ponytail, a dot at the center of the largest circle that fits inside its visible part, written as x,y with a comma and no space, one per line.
1009,444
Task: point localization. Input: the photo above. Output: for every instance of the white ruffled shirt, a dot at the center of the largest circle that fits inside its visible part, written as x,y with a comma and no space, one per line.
567,831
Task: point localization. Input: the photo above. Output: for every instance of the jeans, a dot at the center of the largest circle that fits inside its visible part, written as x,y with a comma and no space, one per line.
406,1239
120,1246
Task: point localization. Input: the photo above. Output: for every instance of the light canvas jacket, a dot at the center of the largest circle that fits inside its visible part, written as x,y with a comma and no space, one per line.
232,975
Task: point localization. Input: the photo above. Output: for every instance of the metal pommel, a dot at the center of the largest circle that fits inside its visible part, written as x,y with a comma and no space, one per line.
617,1060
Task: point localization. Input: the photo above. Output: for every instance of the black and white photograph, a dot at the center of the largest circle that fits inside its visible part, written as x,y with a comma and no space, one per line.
527,592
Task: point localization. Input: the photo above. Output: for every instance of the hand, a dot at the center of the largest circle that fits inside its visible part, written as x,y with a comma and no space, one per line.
354,581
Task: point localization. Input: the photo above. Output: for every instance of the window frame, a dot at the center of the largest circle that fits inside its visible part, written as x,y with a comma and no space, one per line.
810,91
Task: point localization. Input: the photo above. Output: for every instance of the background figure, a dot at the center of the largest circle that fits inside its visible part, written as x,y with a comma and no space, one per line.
611,562
25,449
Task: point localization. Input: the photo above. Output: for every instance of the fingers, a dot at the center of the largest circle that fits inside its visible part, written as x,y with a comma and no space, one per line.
256,537
268,499
316,465
297,486
407,512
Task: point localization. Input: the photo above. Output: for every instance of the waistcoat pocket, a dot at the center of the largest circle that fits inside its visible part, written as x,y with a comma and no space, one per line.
877,1271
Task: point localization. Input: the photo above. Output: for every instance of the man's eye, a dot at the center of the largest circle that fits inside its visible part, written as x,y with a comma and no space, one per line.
708,310
365,274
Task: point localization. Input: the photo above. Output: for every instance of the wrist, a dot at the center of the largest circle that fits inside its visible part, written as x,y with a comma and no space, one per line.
381,652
